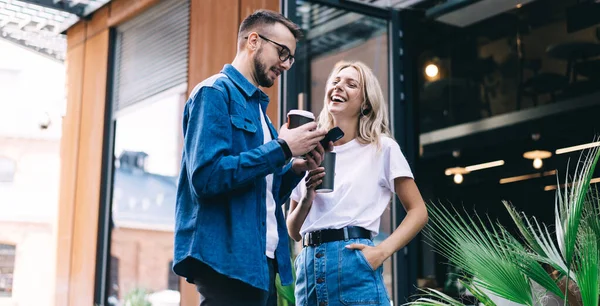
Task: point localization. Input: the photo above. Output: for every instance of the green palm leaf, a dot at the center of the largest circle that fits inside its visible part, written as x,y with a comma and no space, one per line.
539,240
570,203
587,261
482,252
432,297
530,266
286,292
592,211
478,293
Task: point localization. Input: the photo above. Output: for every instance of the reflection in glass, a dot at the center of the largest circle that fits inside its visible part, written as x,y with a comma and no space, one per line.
143,205
525,57
7,268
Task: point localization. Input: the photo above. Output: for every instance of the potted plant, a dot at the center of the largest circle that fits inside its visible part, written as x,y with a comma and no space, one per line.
497,264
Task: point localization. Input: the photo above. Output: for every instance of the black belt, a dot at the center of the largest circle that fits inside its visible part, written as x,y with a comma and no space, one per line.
351,232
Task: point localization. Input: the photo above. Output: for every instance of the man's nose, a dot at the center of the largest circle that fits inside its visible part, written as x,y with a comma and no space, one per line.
286,65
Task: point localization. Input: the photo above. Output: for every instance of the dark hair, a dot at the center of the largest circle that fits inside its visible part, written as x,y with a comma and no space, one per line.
261,18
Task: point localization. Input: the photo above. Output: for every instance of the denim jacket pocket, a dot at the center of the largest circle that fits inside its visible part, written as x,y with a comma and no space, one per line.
243,123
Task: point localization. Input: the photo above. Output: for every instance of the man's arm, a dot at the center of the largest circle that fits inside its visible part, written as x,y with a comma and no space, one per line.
289,181
211,168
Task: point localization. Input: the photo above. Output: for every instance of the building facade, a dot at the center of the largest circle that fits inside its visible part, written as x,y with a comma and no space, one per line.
459,87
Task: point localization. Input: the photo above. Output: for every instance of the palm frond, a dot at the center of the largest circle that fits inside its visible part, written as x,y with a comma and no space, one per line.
530,266
432,297
540,241
480,251
481,296
570,203
286,292
587,266
592,210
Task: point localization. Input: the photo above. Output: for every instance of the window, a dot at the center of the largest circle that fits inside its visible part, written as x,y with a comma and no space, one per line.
8,167
114,277
7,267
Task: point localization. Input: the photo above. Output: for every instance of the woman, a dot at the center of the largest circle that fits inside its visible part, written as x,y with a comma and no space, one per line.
339,264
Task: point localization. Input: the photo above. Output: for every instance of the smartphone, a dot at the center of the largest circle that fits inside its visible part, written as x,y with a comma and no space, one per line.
334,135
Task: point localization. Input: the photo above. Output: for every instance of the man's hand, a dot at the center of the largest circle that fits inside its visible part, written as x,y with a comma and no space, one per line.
302,139
312,160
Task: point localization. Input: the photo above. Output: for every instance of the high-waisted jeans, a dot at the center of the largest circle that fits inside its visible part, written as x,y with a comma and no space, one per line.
330,275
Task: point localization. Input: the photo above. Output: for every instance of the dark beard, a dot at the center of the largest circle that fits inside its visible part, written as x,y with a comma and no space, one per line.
261,72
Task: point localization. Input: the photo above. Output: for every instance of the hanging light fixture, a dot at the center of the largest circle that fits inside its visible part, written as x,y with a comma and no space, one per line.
537,156
458,173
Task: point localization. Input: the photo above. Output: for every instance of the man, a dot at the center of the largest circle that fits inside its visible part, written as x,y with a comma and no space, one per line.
230,235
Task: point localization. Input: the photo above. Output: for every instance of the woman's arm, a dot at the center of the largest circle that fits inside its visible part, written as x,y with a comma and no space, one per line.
415,220
416,216
296,218
299,211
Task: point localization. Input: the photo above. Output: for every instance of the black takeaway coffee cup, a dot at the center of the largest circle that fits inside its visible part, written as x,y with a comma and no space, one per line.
329,178
298,117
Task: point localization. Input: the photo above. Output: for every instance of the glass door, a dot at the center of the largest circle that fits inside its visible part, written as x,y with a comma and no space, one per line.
333,34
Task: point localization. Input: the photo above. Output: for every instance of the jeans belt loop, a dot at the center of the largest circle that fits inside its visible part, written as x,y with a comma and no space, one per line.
346,234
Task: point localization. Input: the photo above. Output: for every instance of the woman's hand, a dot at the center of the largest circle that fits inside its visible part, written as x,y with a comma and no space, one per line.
374,255
313,179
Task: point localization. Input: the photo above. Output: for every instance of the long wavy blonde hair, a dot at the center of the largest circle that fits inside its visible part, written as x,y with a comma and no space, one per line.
372,123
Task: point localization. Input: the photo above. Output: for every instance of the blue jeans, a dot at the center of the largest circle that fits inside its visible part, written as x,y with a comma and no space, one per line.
329,274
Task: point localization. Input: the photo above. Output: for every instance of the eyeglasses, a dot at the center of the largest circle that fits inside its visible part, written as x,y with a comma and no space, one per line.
284,53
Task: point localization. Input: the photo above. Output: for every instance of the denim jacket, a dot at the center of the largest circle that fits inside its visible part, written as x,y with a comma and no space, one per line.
221,196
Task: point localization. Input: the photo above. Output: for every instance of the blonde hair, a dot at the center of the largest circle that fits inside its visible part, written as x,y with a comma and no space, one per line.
375,122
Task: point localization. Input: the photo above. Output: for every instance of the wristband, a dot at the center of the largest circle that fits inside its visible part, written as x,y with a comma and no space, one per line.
286,149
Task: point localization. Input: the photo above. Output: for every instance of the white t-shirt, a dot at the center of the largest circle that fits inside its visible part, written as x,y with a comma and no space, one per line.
272,238
363,187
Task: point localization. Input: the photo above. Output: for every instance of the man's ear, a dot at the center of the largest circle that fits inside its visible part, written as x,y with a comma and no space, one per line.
252,41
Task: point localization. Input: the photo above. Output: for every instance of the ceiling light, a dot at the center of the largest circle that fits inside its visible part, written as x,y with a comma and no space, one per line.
484,165
537,156
554,187
432,70
468,169
513,179
458,172
577,148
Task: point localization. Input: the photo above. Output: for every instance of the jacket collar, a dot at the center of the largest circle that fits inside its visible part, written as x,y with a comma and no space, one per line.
240,80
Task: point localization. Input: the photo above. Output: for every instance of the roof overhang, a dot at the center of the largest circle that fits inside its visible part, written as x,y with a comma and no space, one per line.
39,25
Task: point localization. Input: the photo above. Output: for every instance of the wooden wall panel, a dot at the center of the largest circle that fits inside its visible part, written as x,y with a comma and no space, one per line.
213,36
123,10
76,35
247,8
68,177
87,196
99,22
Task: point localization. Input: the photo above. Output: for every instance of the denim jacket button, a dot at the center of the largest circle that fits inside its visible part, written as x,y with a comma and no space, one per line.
319,255
320,280
323,304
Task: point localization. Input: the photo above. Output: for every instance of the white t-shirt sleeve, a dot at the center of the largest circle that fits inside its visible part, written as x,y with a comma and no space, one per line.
394,163
298,192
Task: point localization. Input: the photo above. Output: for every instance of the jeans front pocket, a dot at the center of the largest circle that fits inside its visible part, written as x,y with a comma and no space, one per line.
356,279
